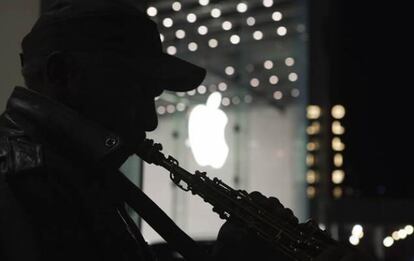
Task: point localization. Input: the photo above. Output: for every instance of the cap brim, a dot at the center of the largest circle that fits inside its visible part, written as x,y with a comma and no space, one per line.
178,75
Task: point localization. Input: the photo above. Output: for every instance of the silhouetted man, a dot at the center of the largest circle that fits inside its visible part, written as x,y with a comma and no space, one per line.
93,69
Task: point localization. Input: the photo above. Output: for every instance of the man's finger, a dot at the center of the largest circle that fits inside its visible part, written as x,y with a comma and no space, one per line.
275,202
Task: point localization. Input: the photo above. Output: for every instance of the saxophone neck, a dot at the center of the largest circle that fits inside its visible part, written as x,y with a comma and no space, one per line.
150,152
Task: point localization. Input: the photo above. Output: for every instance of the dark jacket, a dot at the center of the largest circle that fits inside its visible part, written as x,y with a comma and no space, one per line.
56,198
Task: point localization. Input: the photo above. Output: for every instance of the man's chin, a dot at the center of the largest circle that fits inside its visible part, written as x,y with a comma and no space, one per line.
130,140
134,139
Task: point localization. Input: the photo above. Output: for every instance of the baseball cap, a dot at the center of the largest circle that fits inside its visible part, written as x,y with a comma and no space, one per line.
91,25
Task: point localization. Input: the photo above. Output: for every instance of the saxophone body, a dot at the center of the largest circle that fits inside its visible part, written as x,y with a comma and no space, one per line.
299,242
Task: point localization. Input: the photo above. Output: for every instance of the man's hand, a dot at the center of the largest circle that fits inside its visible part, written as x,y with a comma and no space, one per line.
236,242
274,206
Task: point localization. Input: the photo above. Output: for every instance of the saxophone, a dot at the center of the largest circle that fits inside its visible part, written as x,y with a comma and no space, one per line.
298,242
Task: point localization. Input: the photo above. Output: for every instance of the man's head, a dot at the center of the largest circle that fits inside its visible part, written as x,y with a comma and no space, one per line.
104,59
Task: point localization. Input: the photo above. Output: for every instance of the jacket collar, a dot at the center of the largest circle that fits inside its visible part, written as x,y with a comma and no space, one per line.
65,129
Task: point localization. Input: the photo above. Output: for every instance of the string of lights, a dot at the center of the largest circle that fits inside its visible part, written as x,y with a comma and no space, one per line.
338,174
241,43
398,235
356,235
313,130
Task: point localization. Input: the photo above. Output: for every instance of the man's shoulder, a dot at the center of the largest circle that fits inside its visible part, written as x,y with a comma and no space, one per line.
18,154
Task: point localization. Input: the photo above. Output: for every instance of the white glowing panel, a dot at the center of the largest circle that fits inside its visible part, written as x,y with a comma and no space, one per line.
206,129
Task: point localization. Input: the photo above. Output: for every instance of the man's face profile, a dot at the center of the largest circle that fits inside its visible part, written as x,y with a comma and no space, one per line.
110,88
107,63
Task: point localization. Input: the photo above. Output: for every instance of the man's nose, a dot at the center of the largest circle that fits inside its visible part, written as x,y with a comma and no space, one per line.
151,123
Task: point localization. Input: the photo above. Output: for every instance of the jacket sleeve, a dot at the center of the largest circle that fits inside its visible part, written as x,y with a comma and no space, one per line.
16,236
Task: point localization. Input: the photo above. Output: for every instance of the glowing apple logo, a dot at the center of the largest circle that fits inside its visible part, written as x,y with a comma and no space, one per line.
206,129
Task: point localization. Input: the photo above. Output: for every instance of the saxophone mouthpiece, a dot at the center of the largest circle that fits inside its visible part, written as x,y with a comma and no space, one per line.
149,151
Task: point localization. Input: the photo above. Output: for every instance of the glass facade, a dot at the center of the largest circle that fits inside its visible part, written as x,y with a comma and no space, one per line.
256,59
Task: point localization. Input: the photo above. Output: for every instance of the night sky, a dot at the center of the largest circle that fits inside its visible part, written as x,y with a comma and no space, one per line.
372,78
